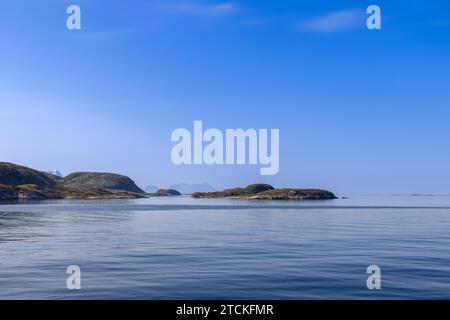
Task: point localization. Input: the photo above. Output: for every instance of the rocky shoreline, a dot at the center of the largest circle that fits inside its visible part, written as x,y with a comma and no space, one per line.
23,183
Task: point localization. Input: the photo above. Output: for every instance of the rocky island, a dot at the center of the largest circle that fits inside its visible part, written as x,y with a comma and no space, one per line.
165,193
19,182
267,192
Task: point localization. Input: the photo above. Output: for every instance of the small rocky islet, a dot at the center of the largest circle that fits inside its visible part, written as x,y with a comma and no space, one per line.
165,193
22,183
267,192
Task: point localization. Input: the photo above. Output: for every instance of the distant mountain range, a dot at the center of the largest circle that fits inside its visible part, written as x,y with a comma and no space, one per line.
150,188
56,173
186,188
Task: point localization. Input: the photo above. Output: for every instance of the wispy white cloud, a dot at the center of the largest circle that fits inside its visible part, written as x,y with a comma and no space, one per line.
199,9
342,20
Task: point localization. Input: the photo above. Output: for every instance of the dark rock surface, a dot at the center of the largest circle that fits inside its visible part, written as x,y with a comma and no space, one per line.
97,180
8,192
15,175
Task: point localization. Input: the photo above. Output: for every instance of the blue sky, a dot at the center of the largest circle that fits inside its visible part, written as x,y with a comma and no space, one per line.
359,111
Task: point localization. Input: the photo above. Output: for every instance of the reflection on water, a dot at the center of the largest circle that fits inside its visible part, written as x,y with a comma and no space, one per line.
185,248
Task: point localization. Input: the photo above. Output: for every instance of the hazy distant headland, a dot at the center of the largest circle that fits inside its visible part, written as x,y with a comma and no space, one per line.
188,188
183,188
22,183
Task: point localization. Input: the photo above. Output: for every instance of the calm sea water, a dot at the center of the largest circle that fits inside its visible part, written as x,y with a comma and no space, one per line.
182,248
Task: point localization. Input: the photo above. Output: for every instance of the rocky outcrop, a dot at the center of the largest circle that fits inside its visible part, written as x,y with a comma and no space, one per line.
19,182
96,180
267,192
166,193
235,192
294,194
15,175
